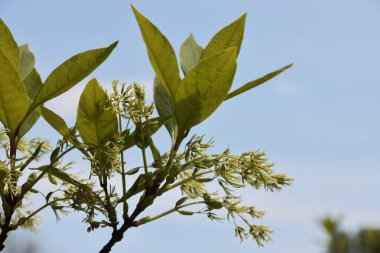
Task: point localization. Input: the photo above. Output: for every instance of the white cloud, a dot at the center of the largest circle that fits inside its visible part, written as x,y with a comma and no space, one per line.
286,88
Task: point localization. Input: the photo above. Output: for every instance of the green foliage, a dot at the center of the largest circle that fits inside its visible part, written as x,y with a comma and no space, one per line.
26,62
204,88
55,121
366,240
161,54
71,72
230,36
208,73
108,123
189,54
14,102
95,124
8,45
165,108
21,103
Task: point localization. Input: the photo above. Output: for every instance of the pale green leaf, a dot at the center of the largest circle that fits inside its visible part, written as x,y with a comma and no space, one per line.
161,54
204,89
165,107
32,84
55,121
230,36
26,61
71,72
14,101
189,54
9,45
257,82
95,124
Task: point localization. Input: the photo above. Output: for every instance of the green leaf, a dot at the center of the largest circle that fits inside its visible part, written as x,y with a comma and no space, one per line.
257,82
138,186
189,54
29,182
132,171
9,45
54,155
32,84
213,204
205,180
26,61
185,212
204,89
65,177
61,175
155,152
71,72
181,201
55,121
165,108
141,136
145,130
28,123
129,141
96,125
160,52
14,102
48,196
230,36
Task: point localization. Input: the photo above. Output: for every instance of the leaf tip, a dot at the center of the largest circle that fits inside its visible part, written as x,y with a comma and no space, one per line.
113,45
135,11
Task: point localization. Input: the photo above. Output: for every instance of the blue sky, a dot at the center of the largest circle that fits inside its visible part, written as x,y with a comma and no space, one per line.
318,121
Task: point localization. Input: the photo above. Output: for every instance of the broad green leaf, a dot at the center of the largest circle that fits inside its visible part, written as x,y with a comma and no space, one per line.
55,121
229,36
161,54
32,84
9,45
28,123
189,54
257,82
95,124
204,89
165,107
14,101
71,72
26,61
